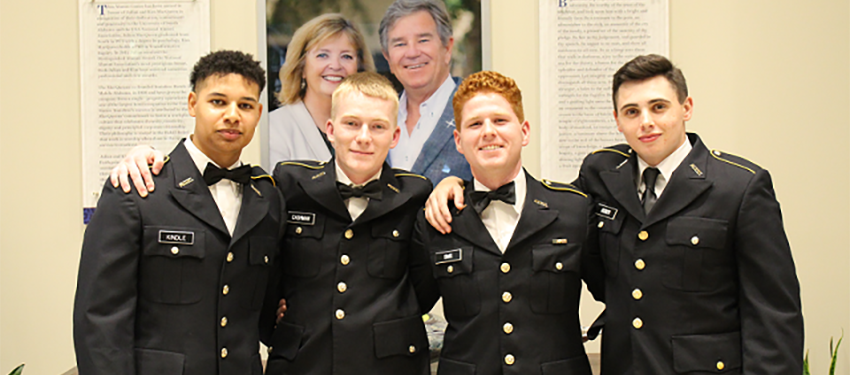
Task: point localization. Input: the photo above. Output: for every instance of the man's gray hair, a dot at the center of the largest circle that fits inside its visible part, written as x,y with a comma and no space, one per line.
402,8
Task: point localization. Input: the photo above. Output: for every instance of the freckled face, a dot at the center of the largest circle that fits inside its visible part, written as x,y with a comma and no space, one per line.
491,137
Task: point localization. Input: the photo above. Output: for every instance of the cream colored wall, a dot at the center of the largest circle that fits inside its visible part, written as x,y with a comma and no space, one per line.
736,55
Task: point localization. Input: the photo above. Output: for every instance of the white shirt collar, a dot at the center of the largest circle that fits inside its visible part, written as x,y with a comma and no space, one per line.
666,167
436,103
519,189
341,177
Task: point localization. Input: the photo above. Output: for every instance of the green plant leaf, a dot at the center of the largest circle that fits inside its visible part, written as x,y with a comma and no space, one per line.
834,353
18,370
806,364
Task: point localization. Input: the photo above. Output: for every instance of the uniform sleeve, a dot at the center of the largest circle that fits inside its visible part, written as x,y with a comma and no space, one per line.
592,269
105,303
421,275
268,313
771,318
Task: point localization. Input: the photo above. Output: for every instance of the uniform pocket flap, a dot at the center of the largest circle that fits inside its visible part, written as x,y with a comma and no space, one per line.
577,366
610,219
174,242
286,340
391,229
262,250
158,362
697,232
400,337
452,367
556,258
452,262
707,353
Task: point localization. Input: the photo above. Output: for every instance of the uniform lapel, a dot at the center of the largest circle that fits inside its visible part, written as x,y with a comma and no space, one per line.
191,192
620,181
254,209
534,216
443,132
686,184
468,225
391,197
322,188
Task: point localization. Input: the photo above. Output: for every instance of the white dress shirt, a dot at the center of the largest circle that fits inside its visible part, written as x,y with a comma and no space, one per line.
665,168
355,205
409,145
501,218
226,193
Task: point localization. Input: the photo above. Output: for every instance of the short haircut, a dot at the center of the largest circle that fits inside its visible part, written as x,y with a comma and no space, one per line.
403,8
370,84
314,32
224,62
649,66
485,82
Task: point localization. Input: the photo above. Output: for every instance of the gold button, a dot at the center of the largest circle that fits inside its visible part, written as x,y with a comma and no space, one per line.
229,257
637,323
223,352
695,240
505,268
340,314
412,349
395,234
266,258
643,235
637,294
298,230
640,264
721,365
349,233
507,297
601,224
341,287
224,321
270,349
559,266
509,359
225,290
175,250
450,269
508,328
344,260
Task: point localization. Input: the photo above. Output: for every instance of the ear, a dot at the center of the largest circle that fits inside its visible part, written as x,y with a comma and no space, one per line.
457,141
688,106
396,137
449,47
193,101
526,133
329,130
387,57
617,120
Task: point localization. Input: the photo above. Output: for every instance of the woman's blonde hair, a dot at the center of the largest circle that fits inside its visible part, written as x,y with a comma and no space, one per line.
312,33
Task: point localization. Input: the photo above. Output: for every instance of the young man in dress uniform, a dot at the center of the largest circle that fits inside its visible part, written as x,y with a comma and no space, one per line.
699,274
510,272
174,283
351,305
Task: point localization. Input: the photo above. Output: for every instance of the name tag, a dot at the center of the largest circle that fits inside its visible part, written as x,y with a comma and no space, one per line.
606,211
449,256
176,237
303,218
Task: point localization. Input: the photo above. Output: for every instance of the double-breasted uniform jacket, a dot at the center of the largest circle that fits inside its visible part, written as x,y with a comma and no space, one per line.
705,282
439,157
514,312
351,307
164,289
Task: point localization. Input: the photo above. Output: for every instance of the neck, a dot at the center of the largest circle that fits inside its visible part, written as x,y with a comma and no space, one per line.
495,178
224,160
319,108
416,97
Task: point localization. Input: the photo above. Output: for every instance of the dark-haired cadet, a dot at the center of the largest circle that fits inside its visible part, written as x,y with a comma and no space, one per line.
173,283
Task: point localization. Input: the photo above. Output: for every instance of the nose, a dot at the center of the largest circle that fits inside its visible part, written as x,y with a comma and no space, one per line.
646,119
231,113
364,136
411,51
487,128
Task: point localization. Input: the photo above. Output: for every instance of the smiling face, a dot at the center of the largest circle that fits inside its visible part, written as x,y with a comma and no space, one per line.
362,132
326,64
491,137
416,55
226,109
651,118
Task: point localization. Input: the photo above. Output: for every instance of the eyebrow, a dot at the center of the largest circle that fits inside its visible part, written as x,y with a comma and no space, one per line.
248,98
653,101
420,35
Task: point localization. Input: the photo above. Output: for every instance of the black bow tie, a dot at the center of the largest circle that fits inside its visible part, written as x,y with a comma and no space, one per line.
213,174
482,199
371,190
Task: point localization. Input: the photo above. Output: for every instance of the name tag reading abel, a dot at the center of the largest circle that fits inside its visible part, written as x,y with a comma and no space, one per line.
176,237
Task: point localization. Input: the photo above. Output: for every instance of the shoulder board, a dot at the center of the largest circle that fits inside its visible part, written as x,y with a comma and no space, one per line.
311,164
560,186
735,160
262,176
258,173
614,150
402,173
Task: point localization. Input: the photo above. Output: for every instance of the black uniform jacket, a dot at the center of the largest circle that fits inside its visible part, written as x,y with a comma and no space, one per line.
705,283
164,289
351,307
517,312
